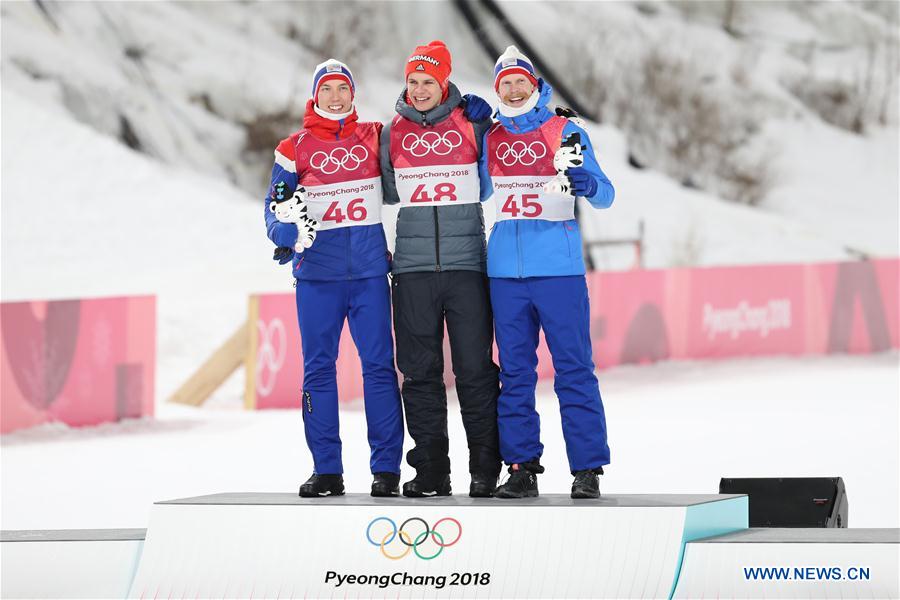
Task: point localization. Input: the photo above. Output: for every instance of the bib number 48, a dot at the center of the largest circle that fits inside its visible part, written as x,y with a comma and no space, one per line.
355,212
442,192
529,208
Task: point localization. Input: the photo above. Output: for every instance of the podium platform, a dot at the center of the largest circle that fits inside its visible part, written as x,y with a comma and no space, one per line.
69,563
793,563
282,546
355,546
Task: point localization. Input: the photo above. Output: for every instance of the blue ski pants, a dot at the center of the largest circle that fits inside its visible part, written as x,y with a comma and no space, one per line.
322,307
560,306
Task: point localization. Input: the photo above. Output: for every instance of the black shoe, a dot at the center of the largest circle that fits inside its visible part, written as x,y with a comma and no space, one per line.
323,485
385,485
587,483
425,486
482,486
522,482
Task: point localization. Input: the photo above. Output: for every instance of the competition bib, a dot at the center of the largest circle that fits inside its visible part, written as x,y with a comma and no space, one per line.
520,165
345,204
523,197
342,178
437,186
435,166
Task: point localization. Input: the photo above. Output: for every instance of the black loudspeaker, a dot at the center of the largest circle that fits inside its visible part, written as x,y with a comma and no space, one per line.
792,501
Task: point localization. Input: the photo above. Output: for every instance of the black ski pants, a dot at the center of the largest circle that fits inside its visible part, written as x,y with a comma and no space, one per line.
422,302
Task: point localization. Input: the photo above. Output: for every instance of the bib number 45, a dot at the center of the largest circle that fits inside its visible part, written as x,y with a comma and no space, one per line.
355,212
526,205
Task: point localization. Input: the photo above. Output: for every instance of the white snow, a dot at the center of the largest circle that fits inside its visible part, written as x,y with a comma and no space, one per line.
674,428
126,224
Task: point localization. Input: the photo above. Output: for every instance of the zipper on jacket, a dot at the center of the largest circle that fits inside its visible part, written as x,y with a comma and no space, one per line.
437,240
349,255
518,249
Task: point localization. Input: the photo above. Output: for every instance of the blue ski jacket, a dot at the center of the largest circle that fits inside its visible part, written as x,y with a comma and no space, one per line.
337,254
539,248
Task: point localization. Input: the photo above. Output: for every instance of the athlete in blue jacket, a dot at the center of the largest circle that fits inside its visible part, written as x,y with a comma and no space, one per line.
333,163
536,269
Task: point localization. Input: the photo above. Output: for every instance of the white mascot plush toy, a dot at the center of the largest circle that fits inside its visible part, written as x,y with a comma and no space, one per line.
293,210
568,155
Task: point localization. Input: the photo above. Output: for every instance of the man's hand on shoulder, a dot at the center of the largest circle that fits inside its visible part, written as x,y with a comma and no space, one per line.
476,108
568,113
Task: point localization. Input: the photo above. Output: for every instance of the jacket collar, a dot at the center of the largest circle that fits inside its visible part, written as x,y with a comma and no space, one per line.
328,129
433,116
534,118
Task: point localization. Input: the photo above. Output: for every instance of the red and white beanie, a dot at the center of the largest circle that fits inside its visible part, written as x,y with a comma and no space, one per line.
433,59
513,61
329,70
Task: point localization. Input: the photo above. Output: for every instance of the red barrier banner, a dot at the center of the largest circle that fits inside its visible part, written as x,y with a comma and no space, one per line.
277,373
652,315
81,362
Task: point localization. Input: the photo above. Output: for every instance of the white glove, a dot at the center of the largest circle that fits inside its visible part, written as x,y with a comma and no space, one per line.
558,185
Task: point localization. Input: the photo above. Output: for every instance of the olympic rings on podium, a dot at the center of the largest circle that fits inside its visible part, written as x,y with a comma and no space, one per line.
458,534
412,543
401,555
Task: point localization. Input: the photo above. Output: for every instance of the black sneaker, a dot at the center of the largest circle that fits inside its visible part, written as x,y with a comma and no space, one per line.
426,486
385,485
587,483
482,486
323,485
522,482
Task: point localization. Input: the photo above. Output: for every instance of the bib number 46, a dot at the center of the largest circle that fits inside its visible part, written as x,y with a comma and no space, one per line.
355,212
529,208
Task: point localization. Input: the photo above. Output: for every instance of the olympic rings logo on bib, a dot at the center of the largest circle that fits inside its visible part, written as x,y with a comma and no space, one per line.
520,153
330,162
431,142
397,543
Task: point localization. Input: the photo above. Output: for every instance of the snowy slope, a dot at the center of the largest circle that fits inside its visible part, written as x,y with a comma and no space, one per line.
243,63
686,227
834,194
184,75
842,204
127,224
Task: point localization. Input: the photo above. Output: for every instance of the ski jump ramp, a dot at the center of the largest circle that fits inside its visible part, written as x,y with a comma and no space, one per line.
267,545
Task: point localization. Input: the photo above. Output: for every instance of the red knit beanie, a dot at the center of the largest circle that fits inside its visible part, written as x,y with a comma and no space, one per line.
433,60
